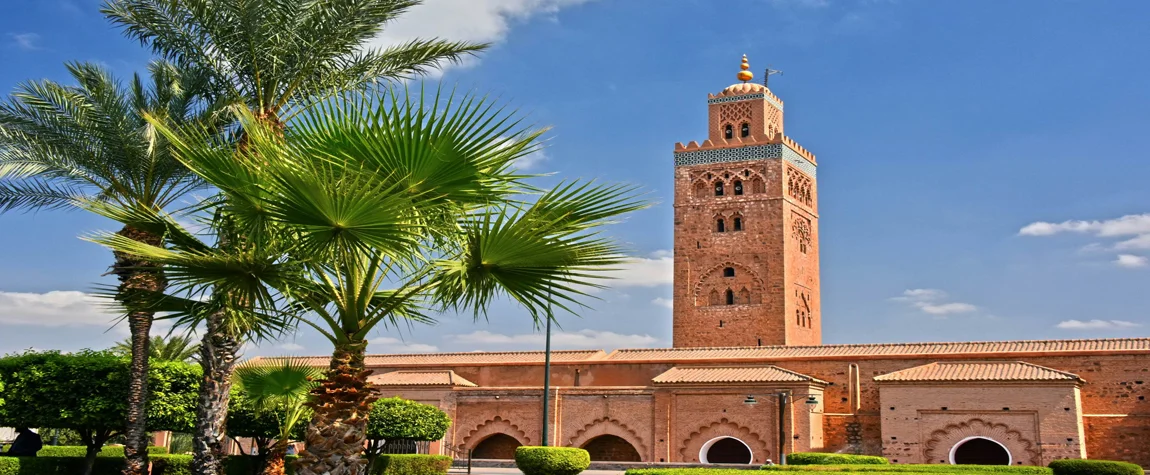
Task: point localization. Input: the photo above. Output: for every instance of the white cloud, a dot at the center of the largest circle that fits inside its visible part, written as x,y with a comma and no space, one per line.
480,21
658,269
290,346
1130,261
387,344
1096,324
662,302
55,308
26,41
931,301
531,160
582,339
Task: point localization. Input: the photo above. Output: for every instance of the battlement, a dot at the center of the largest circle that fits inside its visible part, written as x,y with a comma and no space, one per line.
753,139
744,92
799,149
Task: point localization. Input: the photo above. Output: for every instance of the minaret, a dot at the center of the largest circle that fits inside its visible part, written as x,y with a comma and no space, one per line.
746,228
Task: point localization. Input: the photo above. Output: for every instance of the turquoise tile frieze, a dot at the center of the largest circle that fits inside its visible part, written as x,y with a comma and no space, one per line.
745,97
773,151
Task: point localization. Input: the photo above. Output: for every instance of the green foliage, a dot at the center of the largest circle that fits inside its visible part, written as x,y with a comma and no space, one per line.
912,468
819,458
413,464
171,464
1094,467
245,421
80,451
88,391
551,460
59,465
171,348
398,418
248,465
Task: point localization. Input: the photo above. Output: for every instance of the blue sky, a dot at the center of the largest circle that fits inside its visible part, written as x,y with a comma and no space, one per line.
983,164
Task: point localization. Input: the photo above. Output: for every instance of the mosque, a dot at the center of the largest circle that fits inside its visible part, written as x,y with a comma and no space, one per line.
747,378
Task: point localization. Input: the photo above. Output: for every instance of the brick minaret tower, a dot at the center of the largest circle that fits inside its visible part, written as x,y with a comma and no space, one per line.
746,228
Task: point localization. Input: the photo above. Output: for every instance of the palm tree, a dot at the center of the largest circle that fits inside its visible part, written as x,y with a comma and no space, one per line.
275,57
172,348
411,191
280,389
66,146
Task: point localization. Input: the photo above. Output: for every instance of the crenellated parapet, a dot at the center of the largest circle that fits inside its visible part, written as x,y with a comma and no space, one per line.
799,149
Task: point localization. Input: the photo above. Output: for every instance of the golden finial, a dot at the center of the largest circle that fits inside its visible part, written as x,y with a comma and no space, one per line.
745,75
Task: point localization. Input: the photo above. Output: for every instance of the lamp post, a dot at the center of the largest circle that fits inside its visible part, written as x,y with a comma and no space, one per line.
547,375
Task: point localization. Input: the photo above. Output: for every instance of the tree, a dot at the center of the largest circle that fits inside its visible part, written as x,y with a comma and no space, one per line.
70,146
262,427
172,348
363,192
279,389
88,392
275,58
397,419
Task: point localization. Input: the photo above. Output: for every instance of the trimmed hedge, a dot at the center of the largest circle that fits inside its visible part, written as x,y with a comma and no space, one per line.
59,465
246,464
80,451
551,460
411,464
914,468
819,458
164,464
1094,467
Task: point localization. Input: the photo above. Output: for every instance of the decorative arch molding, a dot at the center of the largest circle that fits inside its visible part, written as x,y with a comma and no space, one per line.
690,447
490,427
718,269
713,281
608,426
942,441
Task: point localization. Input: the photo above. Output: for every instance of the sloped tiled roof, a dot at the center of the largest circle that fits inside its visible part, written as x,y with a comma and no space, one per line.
469,358
745,374
883,350
978,371
420,378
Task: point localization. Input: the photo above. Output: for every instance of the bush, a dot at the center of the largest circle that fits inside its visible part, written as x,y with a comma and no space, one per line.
171,464
59,465
397,418
818,458
913,468
412,464
551,460
1094,467
250,464
80,451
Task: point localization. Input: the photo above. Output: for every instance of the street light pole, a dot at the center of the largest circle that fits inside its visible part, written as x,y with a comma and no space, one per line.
782,428
547,376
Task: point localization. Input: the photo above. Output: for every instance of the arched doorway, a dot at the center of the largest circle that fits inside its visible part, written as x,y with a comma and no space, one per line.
979,451
611,448
725,450
497,447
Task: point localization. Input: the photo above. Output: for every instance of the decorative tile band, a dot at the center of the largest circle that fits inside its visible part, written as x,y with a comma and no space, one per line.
745,97
753,152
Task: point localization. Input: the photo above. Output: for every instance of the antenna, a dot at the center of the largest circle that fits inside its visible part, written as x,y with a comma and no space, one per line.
767,74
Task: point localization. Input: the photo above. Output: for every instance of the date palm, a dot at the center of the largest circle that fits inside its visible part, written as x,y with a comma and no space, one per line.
65,145
413,192
278,389
275,57
171,348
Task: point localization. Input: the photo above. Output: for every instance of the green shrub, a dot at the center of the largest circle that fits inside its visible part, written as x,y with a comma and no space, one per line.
551,460
913,468
411,464
1094,467
818,458
80,451
59,465
249,464
171,464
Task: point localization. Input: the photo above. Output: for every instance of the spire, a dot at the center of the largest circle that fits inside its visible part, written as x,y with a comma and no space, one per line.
745,74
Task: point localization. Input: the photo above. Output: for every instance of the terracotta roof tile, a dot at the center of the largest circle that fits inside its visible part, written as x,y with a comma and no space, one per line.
883,349
420,378
472,358
978,371
744,374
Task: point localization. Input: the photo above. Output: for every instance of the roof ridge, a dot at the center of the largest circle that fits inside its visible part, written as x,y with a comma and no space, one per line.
861,345
463,353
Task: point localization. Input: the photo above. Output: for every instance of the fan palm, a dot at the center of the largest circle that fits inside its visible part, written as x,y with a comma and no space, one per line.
275,57
62,146
280,388
413,192
172,348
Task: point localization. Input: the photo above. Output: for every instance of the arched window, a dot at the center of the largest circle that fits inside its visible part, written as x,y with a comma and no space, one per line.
718,188
729,272
738,224
738,187
730,297
745,296
720,227
714,298
700,190
728,132
745,130
757,185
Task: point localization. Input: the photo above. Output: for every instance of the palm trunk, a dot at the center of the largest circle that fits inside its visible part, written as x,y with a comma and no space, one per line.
218,358
137,275
274,465
337,432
